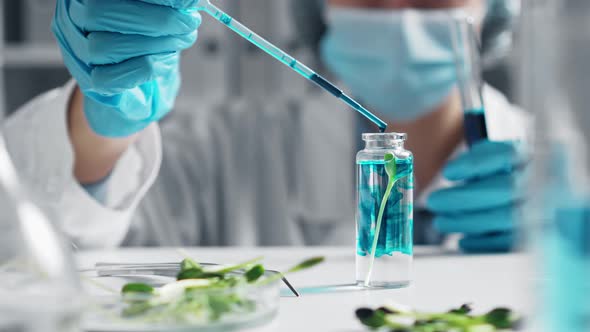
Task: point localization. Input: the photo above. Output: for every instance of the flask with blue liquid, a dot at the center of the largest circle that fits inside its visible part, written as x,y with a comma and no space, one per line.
385,181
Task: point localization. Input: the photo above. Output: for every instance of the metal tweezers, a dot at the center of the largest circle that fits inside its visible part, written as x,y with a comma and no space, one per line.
158,269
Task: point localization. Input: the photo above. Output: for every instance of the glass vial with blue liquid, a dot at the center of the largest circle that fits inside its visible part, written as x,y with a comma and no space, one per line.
385,181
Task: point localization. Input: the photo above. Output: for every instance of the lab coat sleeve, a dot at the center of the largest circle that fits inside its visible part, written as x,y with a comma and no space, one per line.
38,142
181,208
98,190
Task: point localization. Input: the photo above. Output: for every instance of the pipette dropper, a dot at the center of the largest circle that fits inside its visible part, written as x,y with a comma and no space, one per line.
275,52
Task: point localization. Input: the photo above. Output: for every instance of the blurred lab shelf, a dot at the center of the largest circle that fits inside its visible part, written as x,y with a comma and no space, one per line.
32,55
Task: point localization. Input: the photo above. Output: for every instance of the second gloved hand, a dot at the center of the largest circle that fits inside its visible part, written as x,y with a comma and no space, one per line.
124,55
482,204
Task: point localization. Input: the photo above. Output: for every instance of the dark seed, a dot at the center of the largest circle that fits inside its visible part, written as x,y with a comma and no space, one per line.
466,308
463,310
364,313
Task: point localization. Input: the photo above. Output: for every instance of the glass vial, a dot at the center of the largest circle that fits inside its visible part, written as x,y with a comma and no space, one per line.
391,266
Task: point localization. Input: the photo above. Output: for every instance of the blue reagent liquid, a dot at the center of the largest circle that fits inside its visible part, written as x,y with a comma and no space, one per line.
397,225
567,256
475,126
328,86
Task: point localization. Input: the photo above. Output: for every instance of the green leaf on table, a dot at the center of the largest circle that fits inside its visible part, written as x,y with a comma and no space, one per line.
254,273
501,318
137,288
371,318
306,264
456,320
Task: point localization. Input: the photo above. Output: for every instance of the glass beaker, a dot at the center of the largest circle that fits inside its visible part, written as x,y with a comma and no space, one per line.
390,265
39,287
555,77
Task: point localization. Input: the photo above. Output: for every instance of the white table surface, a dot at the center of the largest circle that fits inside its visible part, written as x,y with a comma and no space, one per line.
442,280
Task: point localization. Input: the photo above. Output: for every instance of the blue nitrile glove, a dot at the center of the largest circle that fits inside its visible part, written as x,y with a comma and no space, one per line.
125,54
488,191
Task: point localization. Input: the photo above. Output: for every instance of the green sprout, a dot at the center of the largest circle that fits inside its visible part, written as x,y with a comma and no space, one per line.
188,299
137,288
239,266
254,273
190,269
456,320
391,170
371,318
189,264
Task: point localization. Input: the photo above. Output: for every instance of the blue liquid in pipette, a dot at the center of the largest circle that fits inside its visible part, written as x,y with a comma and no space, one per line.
351,102
289,61
475,126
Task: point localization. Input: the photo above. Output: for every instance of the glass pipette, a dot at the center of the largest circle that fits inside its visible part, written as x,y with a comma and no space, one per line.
468,61
275,52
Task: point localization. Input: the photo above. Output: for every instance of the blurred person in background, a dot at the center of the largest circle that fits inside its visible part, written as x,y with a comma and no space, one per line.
93,153
406,73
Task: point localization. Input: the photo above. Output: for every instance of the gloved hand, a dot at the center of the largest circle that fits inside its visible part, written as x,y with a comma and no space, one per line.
124,54
483,203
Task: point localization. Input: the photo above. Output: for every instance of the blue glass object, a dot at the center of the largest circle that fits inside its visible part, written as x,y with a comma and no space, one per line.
564,243
567,250
475,126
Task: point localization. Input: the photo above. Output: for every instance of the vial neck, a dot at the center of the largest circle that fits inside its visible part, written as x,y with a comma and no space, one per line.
384,144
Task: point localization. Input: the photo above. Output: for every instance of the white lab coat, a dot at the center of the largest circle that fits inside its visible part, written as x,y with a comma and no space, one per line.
247,172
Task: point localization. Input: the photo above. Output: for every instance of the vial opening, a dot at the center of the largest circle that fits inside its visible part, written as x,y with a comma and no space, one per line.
382,137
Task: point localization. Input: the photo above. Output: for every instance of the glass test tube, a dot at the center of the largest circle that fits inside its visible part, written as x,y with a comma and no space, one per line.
468,61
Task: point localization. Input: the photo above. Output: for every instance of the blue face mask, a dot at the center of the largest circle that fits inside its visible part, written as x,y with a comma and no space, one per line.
400,62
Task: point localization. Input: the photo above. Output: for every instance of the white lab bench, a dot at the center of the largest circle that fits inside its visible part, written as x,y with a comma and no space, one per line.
442,280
